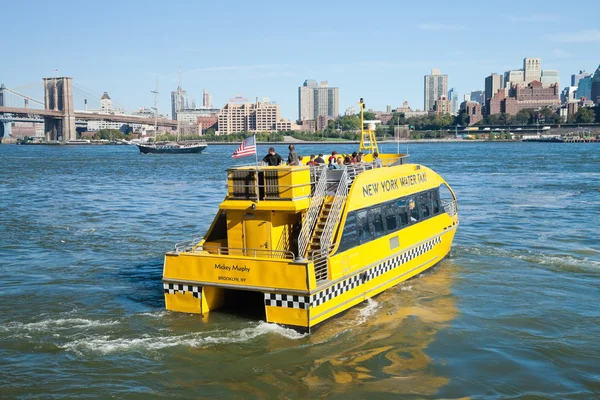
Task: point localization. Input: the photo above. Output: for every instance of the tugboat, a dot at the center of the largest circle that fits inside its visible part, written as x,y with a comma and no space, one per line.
304,243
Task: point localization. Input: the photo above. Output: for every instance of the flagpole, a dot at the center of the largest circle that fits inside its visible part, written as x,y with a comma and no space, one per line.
256,173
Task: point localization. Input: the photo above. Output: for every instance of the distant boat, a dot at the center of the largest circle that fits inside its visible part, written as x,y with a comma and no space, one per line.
172,148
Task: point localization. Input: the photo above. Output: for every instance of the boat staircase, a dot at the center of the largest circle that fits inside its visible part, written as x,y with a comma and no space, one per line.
322,219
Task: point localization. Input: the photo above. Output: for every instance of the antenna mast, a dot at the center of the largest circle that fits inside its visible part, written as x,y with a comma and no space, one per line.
179,92
155,108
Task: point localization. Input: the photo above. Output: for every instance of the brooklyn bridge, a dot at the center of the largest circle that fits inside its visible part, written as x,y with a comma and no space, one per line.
58,113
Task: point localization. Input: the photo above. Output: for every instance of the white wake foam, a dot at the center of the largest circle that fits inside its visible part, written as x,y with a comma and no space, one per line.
56,324
106,344
368,311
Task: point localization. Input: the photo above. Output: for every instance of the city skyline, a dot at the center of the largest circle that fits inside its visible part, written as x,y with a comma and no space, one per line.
112,58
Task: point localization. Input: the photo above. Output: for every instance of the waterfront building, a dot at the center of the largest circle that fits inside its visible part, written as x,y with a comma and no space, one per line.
478,96
190,115
549,77
575,78
206,99
520,97
513,78
584,88
493,83
350,111
105,103
317,100
206,122
181,101
442,106
473,110
435,85
454,103
532,69
248,117
568,94
595,92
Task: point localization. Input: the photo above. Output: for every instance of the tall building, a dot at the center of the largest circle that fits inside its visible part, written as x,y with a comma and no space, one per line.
248,117
576,77
442,106
513,78
435,85
454,103
191,115
180,101
533,69
595,95
568,94
584,88
206,99
317,100
478,96
105,103
493,83
549,77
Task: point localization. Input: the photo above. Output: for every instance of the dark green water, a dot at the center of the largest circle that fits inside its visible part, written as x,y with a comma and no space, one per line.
513,312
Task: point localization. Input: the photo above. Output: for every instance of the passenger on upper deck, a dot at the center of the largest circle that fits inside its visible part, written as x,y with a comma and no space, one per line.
320,159
377,163
272,159
354,157
347,160
293,156
339,164
312,160
332,158
359,157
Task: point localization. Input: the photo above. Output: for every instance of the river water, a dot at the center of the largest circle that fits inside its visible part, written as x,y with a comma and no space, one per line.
513,311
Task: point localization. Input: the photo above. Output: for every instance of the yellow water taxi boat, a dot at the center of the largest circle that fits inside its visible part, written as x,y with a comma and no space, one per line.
307,242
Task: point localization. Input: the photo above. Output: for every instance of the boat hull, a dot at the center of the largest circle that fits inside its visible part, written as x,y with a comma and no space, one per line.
145,149
197,282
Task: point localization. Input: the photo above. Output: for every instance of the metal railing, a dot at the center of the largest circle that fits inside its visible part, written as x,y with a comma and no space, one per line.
248,252
450,207
336,208
313,210
320,259
247,185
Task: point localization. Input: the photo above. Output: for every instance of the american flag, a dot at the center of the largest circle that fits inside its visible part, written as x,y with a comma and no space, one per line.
247,148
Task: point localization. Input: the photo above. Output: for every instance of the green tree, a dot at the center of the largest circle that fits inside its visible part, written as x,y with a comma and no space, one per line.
368,116
585,116
522,117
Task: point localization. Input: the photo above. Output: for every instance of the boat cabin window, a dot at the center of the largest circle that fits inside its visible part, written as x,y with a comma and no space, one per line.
377,221
364,233
391,223
350,236
425,205
370,223
402,212
413,210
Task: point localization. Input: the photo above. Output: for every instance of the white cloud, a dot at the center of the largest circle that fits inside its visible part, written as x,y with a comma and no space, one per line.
441,27
587,36
534,18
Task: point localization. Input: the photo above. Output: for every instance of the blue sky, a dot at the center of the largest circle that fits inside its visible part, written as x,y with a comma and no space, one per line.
376,50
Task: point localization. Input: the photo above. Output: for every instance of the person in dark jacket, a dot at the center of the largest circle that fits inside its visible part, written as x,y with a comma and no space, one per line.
272,159
320,159
293,156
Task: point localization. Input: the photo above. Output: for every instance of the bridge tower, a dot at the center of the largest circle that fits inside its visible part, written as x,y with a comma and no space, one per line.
58,95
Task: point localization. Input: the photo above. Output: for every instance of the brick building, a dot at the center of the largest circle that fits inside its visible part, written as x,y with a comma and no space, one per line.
534,95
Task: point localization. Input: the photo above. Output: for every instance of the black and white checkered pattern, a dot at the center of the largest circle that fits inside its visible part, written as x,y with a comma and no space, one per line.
173,288
284,300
